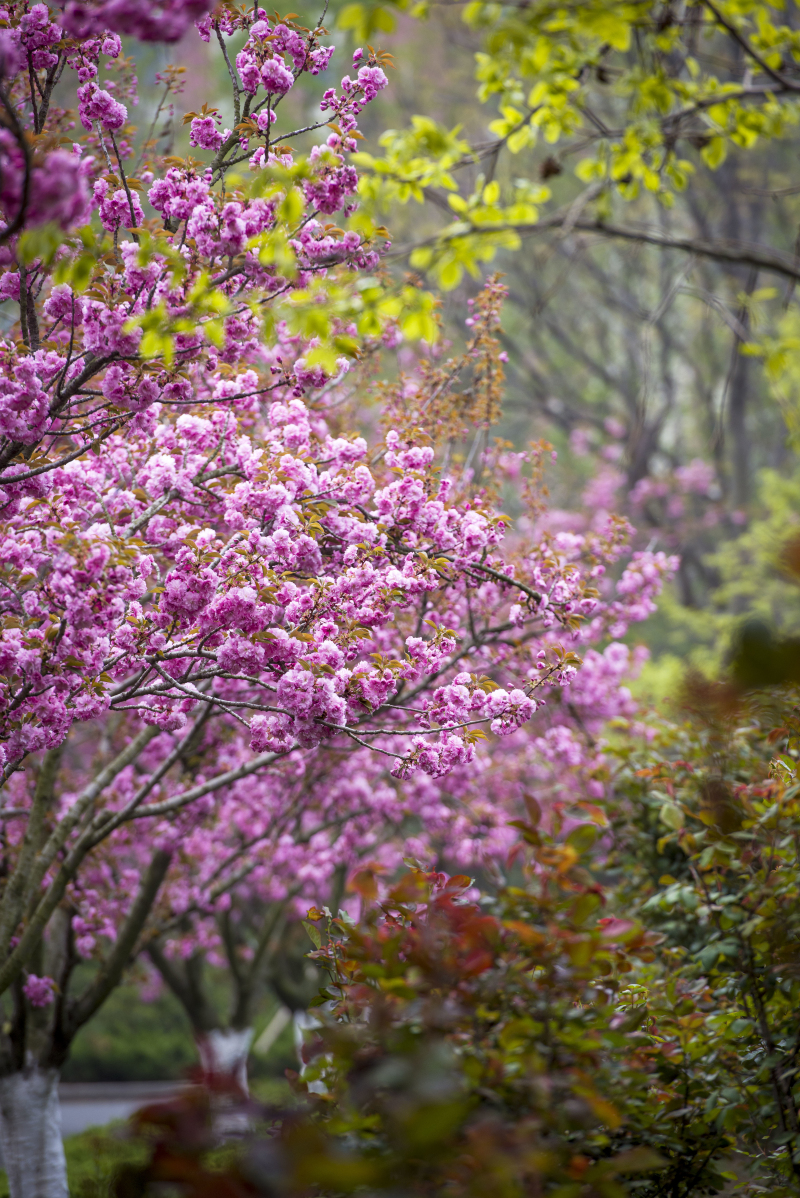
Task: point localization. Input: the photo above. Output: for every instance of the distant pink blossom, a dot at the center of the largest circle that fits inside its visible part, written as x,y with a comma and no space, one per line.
39,992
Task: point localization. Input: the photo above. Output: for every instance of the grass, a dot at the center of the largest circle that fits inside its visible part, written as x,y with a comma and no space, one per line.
93,1158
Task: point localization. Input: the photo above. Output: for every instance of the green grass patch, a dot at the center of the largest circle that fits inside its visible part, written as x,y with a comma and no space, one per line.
93,1158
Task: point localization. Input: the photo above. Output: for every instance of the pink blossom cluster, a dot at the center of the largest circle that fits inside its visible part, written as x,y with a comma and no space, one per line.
684,500
57,189
96,104
261,63
464,701
39,991
166,21
559,760
219,582
64,188
674,506
633,596
33,39
119,209
355,93
24,383
219,228
206,134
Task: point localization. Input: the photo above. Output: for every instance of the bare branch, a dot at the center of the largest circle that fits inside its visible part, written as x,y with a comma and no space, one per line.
737,253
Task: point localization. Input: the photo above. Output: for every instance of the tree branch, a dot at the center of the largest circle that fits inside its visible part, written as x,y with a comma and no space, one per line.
737,253
114,965
205,788
16,892
748,49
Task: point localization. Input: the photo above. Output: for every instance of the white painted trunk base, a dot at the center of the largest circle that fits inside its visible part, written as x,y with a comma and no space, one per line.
30,1134
223,1055
224,1052
304,1022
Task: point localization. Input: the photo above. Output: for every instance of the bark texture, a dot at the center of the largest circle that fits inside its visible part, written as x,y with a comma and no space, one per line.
30,1134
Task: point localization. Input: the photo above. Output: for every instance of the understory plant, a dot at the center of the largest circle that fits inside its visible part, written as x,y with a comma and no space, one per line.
616,1012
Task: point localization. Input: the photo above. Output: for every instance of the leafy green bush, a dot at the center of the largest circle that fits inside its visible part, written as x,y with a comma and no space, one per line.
133,1040
130,1039
707,853
625,1019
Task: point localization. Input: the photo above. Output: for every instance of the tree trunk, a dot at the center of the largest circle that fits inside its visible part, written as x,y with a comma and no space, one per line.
30,1134
303,1022
224,1052
223,1056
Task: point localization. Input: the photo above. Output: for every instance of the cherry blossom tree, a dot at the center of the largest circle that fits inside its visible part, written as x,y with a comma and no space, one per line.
348,813
237,637
239,909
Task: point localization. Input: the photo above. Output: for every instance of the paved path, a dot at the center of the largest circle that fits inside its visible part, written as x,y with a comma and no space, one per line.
93,1104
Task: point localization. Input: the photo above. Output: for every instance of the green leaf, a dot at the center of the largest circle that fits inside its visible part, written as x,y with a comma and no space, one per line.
638,1160
422,256
347,345
585,906
313,932
450,274
326,357
671,815
41,242
582,838
715,153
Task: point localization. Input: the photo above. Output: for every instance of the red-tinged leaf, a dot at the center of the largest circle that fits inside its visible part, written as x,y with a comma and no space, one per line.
617,929
458,882
533,809
597,813
363,882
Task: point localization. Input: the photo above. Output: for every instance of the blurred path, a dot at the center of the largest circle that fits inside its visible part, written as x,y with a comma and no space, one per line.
92,1104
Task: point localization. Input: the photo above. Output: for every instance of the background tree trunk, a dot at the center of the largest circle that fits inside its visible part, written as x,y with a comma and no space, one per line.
224,1053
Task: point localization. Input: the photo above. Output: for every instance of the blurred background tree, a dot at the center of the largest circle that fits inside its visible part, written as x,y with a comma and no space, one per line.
630,167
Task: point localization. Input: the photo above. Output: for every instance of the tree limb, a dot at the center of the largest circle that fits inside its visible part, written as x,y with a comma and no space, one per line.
111,970
737,253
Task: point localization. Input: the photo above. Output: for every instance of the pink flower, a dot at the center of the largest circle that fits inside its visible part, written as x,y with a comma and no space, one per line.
276,77
58,191
149,22
372,80
39,991
95,104
205,133
247,66
115,210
